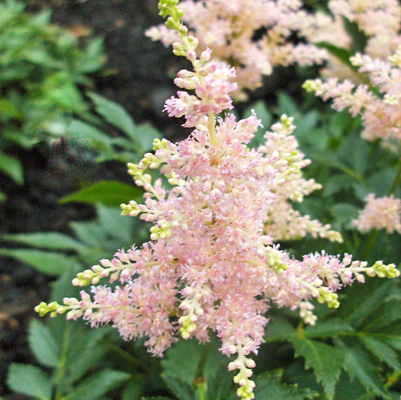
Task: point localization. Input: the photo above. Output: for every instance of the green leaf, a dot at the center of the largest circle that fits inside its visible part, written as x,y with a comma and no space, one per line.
180,388
344,213
324,360
98,385
264,115
115,224
330,328
279,329
381,181
338,183
43,344
29,380
47,240
79,129
48,263
12,167
268,388
286,105
134,388
331,160
391,335
156,398
108,193
342,54
62,287
385,315
359,39
85,350
365,306
9,110
382,351
360,366
145,135
114,114
220,384
177,364
94,57
89,232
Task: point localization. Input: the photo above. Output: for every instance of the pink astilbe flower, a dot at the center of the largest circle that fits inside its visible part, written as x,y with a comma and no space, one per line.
381,114
379,20
379,213
210,265
285,223
229,27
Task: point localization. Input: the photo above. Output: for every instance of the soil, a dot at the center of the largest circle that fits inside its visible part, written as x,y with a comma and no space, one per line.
138,76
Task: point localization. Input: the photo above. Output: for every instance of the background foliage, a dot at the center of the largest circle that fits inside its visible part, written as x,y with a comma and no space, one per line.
352,352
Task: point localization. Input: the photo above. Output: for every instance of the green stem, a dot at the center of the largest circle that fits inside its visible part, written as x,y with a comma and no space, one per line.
397,179
126,356
370,244
202,390
200,381
373,235
300,329
63,359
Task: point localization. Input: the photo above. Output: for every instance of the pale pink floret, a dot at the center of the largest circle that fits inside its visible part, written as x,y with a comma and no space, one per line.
380,213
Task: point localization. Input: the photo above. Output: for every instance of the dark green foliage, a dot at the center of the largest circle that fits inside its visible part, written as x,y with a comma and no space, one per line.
136,139
42,67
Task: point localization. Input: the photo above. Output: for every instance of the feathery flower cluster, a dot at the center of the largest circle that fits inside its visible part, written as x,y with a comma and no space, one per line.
209,265
229,28
381,115
285,223
380,213
379,20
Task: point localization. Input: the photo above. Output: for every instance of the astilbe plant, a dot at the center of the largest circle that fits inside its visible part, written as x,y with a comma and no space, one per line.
378,103
377,21
212,264
232,29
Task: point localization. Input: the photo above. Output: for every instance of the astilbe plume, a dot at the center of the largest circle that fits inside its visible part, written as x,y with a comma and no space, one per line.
378,102
209,265
229,28
380,213
380,108
378,20
283,222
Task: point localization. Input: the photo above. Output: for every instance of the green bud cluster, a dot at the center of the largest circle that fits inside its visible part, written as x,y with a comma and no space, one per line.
149,160
311,86
86,278
327,296
162,231
160,144
168,8
130,209
188,325
385,271
53,308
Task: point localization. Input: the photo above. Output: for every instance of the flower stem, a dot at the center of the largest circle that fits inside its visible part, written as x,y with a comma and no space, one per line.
397,178
370,244
200,381
373,235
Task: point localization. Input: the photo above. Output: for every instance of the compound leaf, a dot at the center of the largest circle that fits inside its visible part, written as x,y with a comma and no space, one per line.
30,380
43,344
324,360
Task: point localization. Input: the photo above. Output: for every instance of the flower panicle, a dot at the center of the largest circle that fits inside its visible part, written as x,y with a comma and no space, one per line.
211,264
377,101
